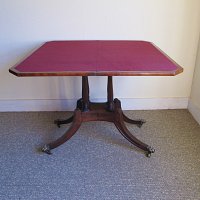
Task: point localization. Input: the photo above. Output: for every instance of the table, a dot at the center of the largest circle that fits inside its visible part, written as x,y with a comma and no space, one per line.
97,58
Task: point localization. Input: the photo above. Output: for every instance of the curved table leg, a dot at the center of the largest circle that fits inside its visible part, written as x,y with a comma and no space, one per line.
119,123
58,122
138,123
71,131
79,105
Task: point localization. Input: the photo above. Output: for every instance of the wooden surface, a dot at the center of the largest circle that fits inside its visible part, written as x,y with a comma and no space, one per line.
97,58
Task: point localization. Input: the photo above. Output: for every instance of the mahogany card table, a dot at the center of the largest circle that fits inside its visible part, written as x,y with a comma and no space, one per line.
97,58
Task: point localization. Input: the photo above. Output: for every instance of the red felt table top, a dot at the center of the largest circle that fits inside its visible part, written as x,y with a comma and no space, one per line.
97,58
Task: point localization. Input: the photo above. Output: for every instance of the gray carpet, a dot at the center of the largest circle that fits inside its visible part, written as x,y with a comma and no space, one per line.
98,163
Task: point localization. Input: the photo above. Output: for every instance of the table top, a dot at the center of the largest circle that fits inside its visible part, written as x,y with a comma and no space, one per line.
97,58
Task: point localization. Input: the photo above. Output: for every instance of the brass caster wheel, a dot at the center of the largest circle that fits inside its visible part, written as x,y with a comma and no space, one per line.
57,122
46,149
141,122
150,150
148,155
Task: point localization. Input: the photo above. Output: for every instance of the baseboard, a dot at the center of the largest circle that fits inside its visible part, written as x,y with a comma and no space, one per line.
37,105
69,104
194,110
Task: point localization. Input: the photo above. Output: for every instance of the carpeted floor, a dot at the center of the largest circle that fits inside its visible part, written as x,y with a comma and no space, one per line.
98,163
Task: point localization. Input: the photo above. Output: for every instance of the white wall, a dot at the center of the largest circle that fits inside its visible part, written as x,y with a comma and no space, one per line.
173,25
194,103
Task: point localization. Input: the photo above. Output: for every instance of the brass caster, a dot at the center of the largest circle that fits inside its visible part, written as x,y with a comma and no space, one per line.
46,149
142,121
150,150
57,122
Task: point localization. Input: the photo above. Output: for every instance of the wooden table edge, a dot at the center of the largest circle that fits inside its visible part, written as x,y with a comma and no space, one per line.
98,73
